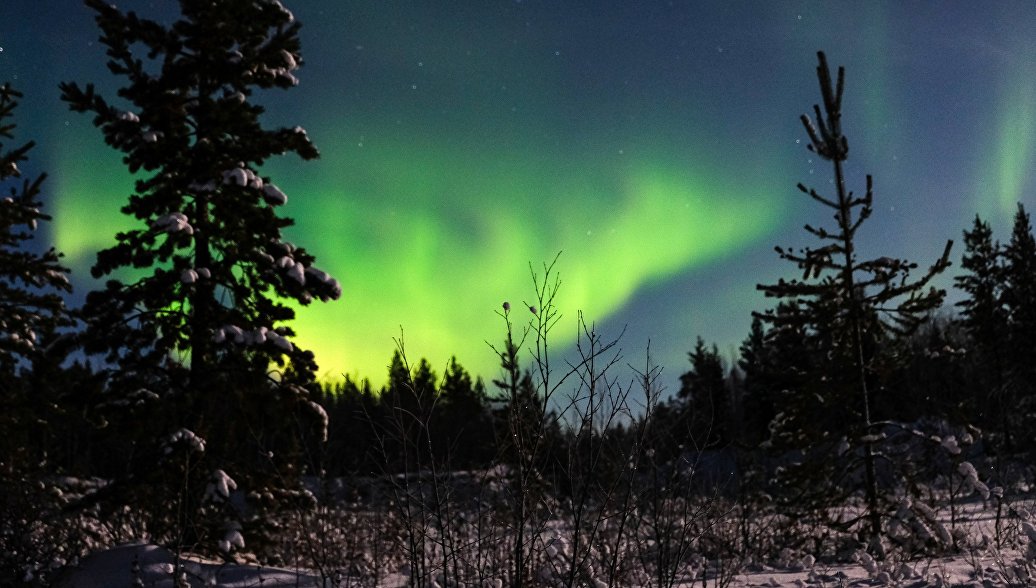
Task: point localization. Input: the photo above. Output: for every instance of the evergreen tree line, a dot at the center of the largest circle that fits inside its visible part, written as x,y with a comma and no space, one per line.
972,364
455,410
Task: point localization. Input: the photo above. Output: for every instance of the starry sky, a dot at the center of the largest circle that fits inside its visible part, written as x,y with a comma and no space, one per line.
656,145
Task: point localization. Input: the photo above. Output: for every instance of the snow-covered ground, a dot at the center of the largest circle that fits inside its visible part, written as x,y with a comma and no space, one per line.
979,564
151,566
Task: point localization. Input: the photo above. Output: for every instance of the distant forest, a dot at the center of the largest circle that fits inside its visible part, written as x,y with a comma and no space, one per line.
971,365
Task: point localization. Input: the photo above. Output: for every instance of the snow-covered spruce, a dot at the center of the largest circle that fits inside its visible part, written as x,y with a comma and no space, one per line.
202,291
31,281
329,287
220,487
173,222
201,187
274,195
970,482
297,272
186,438
949,443
916,526
326,279
232,538
279,341
290,63
138,397
322,417
244,177
229,332
252,337
287,13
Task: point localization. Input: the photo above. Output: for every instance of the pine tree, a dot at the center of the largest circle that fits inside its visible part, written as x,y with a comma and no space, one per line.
984,318
195,308
847,304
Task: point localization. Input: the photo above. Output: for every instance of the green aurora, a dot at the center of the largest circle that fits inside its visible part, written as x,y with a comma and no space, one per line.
1010,167
656,147
432,242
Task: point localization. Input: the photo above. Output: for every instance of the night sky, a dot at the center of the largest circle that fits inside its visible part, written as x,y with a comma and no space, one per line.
657,145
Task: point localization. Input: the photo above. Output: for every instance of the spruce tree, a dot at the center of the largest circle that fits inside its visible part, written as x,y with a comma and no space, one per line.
461,422
984,318
32,309
351,448
1019,297
31,283
848,305
936,380
706,398
32,313
407,404
193,318
759,385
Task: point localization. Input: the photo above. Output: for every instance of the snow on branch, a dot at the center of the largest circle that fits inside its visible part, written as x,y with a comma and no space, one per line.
220,487
184,437
174,222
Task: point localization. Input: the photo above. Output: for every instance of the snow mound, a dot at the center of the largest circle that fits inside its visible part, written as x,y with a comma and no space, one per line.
150,565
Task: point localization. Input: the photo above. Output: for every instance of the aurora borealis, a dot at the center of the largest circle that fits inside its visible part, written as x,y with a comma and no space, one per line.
656,145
